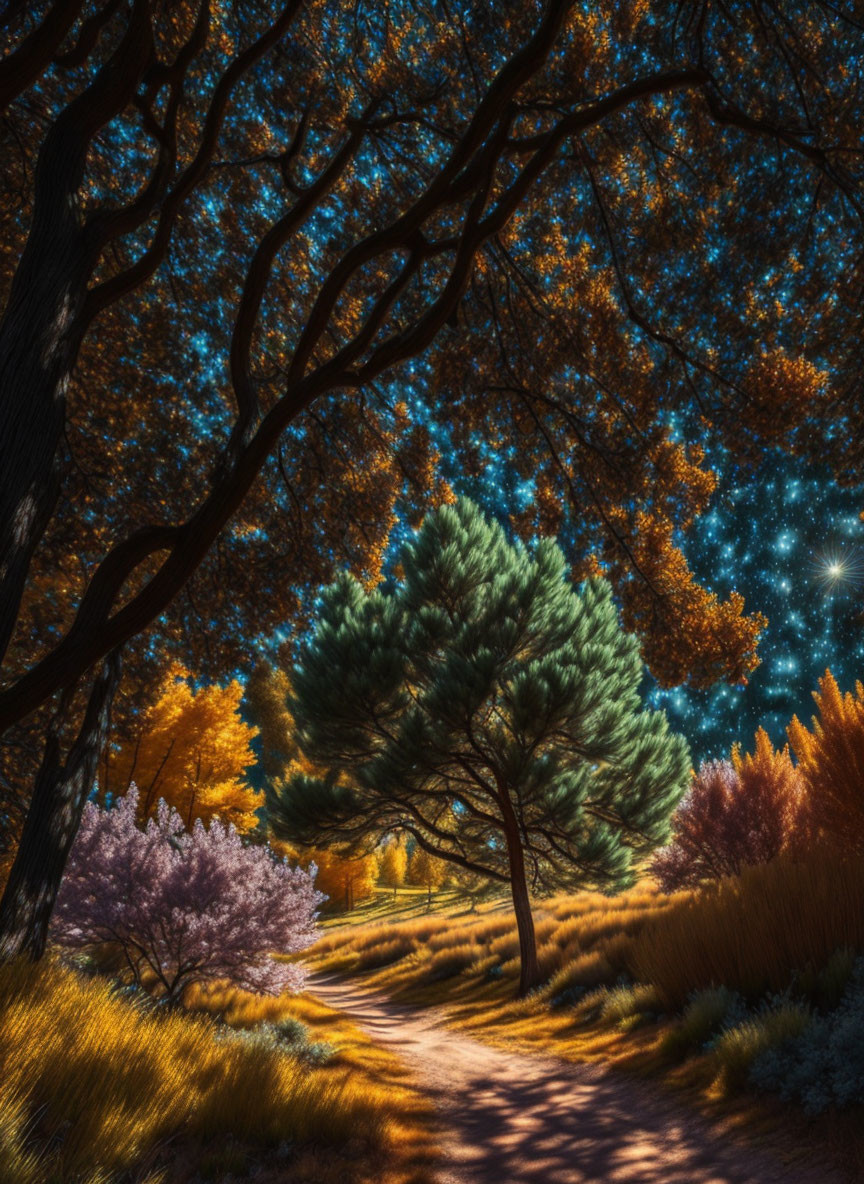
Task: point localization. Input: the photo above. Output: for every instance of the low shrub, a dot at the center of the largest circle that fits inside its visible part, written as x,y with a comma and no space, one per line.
704,1016
737,1047
289,1036
626,1002
821,1065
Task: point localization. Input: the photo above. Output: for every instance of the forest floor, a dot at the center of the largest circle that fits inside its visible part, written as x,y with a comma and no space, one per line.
508,1117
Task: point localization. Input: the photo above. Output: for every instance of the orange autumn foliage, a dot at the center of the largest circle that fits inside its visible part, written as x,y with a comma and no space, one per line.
343,877
191,749
690,620
769,776
831,760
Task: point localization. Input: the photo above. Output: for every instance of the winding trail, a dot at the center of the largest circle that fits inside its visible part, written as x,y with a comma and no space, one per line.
511,1118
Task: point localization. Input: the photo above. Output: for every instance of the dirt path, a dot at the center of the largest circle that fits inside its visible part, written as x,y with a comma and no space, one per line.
510,1118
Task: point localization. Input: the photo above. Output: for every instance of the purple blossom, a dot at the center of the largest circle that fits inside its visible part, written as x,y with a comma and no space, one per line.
185,908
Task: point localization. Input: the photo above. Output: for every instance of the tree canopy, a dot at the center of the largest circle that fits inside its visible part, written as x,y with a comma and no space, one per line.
486,709
246,247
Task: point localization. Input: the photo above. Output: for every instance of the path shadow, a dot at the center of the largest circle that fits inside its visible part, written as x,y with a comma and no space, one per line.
511,1118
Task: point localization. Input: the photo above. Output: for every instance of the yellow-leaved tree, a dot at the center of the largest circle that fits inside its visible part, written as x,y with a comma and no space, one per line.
393,864
191,749
426,871
343,877
831,762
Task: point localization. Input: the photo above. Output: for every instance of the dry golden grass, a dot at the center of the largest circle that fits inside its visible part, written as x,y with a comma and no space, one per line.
753,932
445,958
92,1086
582,939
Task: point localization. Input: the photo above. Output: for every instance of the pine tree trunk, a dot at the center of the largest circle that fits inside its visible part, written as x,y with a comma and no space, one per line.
59,795
529,968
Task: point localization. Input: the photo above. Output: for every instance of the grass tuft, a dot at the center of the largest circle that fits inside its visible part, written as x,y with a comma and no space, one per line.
704,1016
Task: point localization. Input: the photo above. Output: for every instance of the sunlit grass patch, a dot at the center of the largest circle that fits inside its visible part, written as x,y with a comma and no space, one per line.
92,1085
583,938
597,1004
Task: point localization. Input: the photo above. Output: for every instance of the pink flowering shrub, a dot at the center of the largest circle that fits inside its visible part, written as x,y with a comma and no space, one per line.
185,908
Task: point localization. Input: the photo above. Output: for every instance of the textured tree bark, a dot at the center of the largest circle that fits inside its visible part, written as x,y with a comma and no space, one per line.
38,345
59,795
41,329
529,968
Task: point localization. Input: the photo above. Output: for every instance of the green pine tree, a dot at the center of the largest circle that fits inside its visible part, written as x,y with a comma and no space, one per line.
488,709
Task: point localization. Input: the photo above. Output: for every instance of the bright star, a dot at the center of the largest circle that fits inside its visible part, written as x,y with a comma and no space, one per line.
838,567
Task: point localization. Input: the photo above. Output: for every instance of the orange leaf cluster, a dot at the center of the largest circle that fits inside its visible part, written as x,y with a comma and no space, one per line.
688,631
343,877
831,760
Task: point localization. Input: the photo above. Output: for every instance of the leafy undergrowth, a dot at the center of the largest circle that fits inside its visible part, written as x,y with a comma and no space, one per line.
689,988
95,1088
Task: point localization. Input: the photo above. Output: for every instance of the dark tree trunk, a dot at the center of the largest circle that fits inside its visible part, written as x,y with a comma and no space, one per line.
41,328
529,969
59,795
38,346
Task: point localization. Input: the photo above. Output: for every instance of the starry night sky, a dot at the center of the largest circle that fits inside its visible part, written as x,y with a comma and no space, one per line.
791,542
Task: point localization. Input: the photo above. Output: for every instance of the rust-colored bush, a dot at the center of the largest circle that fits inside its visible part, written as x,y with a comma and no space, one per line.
739,812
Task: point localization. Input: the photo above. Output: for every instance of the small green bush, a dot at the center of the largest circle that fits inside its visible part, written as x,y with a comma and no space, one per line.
289,1036
738,1046
706,1013
291,1031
